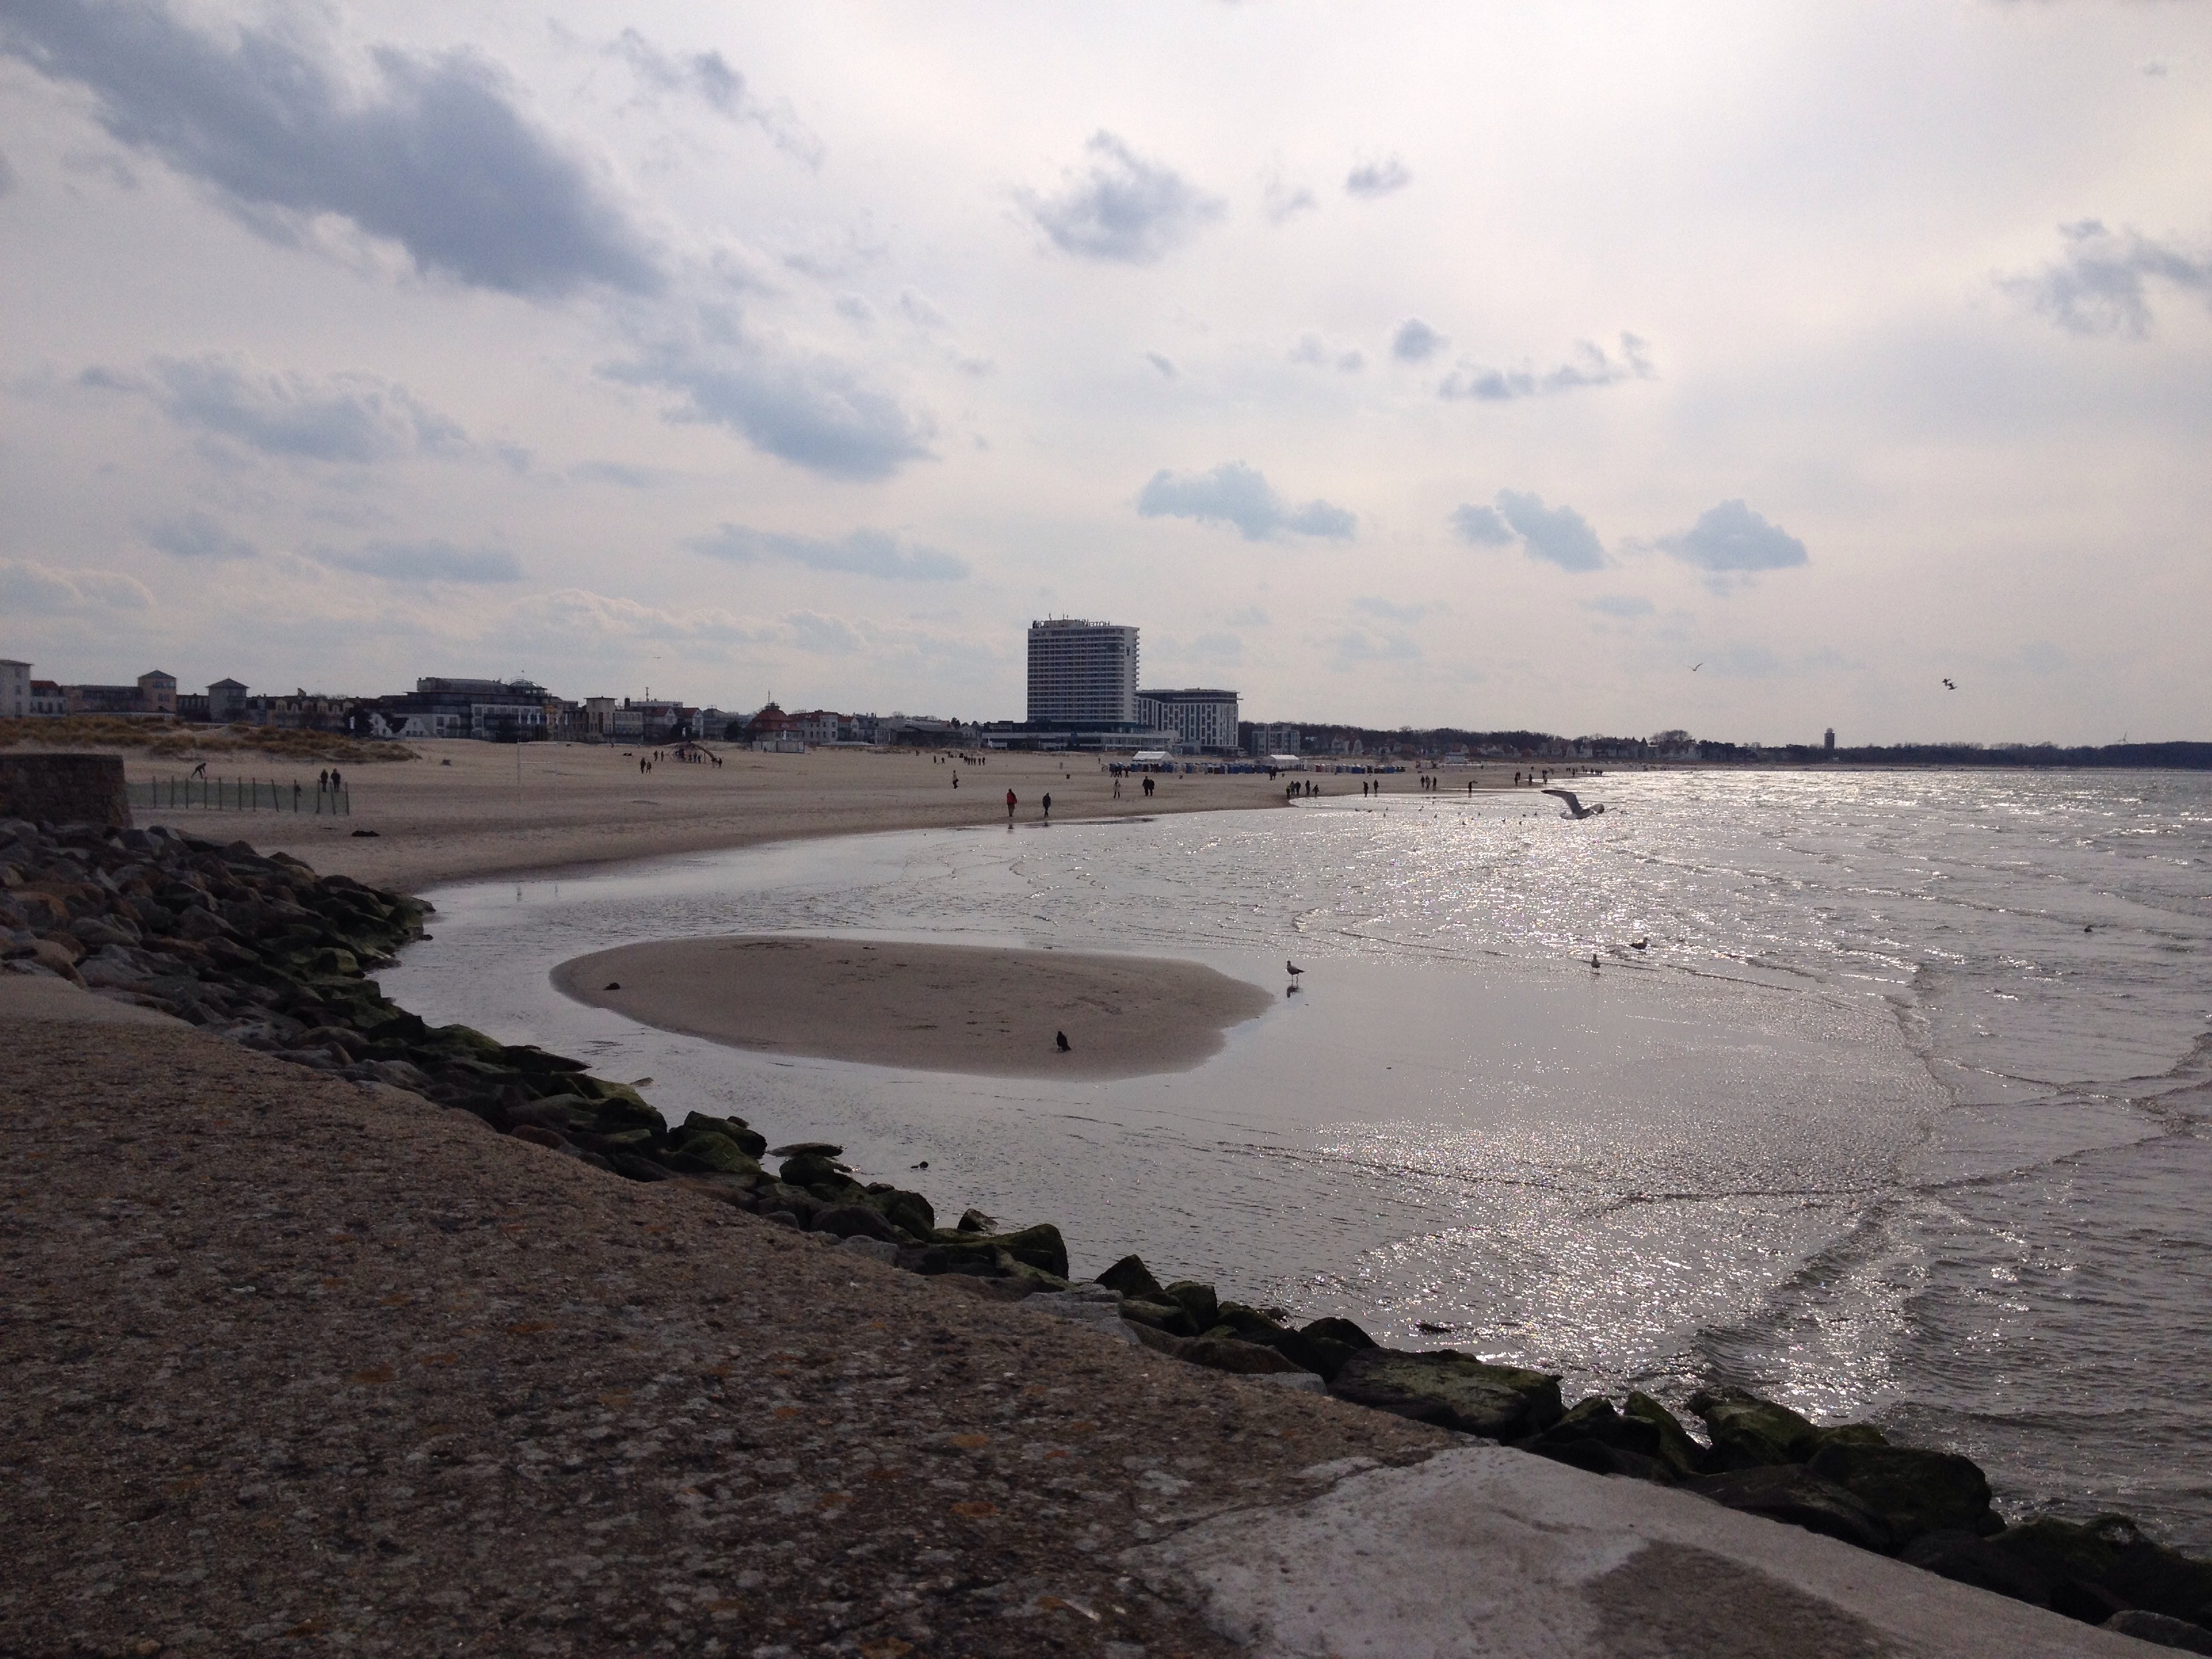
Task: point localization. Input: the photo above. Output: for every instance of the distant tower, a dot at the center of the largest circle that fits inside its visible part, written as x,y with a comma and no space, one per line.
1083,672
1828,740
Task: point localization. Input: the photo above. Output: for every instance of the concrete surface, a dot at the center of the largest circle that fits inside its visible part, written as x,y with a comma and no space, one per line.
1484,1551
42,996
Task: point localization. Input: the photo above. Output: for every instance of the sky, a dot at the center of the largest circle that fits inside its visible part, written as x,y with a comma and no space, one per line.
1590,367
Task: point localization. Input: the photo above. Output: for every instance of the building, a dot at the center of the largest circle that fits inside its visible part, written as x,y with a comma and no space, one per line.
1082,673
15,689
157,693
226,702
1828,740
47,698
1204,721
101,699
1264,740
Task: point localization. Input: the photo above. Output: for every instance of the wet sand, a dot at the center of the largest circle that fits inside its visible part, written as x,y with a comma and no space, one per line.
965,1008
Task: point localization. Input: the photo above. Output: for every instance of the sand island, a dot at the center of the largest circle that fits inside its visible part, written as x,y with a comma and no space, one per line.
925,1007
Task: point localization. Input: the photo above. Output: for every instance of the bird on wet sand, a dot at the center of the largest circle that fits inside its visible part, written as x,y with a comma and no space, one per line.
1576,810
1639,943
1292,968
1060,1038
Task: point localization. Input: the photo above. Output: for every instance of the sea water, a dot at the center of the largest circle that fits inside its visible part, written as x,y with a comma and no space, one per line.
1899,1112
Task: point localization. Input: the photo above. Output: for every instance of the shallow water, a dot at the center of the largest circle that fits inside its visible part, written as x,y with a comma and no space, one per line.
1873,1123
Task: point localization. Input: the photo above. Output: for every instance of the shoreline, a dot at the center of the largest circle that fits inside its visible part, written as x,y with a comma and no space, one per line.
978,1011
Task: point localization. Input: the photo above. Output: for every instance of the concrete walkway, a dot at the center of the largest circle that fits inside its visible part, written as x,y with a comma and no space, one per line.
1484,1551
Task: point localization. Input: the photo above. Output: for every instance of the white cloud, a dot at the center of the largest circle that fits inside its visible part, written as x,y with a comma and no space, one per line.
197,535
860,553
1590,365
346,417
1556,535
1239,494
425,562
2100,283
1371,180
1730,538
40,590
1119,206
1415,342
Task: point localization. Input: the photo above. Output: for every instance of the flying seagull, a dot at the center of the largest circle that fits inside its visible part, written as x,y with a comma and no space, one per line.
1695,666
1950,685
1293,968
1575,808
1060,1037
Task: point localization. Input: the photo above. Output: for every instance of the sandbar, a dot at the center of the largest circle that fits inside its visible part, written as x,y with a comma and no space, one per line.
977,1009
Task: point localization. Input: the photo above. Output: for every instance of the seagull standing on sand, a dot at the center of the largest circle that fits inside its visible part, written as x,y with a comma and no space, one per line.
1639,943
1060,1037
1575,808
1292,968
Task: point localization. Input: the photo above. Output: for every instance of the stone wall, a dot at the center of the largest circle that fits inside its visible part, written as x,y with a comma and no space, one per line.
64,789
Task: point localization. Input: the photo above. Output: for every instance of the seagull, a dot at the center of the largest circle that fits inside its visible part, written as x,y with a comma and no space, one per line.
1950,685
1695,666
1637,945
1060,1037
1575,808
1293,968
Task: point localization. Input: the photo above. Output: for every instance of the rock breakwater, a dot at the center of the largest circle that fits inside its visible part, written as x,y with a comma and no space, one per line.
263,950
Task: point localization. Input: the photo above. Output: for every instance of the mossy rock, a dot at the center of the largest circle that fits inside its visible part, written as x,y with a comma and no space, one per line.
707,1153
1248,1323
1221,1353
1913,1492
750,1141
910,1212
1676,1449
812,1170
1453,1390
1168,1316
1196,1299
1129,1276
1040,1246
1751,1433
1793,1493
1338,1330
2112,1555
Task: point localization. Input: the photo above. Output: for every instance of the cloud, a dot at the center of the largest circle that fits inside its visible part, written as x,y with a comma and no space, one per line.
32,589
1371,180
1589,366
1732,538
426,562
338,418
430,151
1390,611
1239,494
1482,526
2100,283
576,618
1281,200
1557,535
1356,646
808,409
1620,604
1311,348
196,535
1119,206
861,553
1415,342
1165,365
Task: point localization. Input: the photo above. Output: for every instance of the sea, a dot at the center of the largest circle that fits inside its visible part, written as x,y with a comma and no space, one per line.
1884,1094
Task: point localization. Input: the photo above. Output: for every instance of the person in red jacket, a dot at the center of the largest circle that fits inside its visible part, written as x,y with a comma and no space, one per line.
1010,806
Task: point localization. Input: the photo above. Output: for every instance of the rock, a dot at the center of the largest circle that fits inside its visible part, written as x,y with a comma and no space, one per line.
808,1148
1914,1492
1297,1381
1040,1246
1103,1317
2148,1626
1337,1330
1241,1358
1970,1558
975,1221
1680,1453
1791,1493
750,1141
1451,1389
631,1167
882,1251
910,1212
1750,1433
552,1140
857,1221
1130,1277
705,1153
1197,1300
2108,1562
1323,1358
1248,1323
1160,1316
810,1170
780,1217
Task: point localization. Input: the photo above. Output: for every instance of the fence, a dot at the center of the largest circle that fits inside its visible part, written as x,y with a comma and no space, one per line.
241,795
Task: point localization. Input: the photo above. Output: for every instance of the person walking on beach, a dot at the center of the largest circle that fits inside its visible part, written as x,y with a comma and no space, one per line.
1048,806
1010,806
956,780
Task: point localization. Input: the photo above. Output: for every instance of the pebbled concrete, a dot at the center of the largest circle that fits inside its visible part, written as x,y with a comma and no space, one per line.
1484,1551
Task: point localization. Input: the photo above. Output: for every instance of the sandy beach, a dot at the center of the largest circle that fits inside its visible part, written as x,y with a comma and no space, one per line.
927,1007
467,809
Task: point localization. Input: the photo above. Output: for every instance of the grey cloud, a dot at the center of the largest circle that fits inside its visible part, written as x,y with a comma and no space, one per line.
813,411
1482,526
29,588
1415,342
918,311
1311,348
856,311
433,152
1282,201
706,75
1557,535
426,561
861,553
1732,538
1620,604
1165,365
1119,206
339,417
197,535
1372,179
1390,611
1239,494
1591,365
2100,283
1356,646
619,473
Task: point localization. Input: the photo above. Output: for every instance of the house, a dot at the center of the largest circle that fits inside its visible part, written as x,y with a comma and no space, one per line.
226,702
48,698
15,688
157,693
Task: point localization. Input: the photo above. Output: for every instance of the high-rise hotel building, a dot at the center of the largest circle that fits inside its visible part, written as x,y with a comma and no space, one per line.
1083,673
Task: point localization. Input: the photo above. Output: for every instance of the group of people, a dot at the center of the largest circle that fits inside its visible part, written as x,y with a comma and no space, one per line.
327,780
